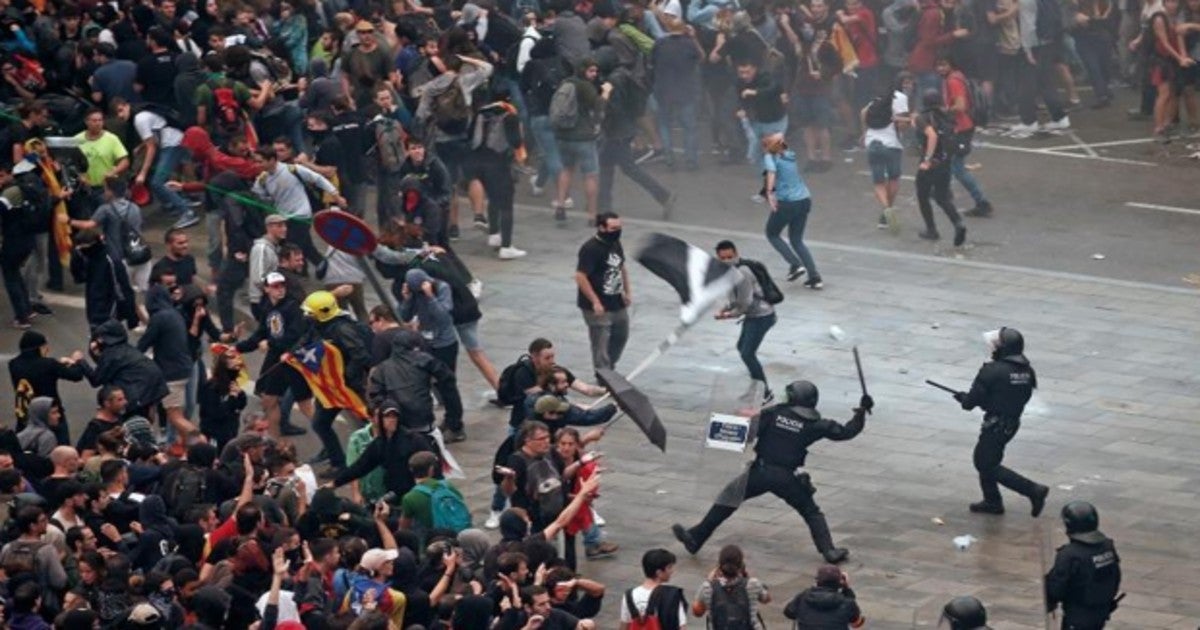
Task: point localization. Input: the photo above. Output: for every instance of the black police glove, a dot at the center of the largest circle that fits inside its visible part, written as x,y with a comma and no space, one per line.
866,403
960,396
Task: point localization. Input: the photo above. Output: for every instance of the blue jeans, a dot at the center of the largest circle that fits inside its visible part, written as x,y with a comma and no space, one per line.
761,130
551,163
754,329
958,168
165,165
793,215
685,113
592,536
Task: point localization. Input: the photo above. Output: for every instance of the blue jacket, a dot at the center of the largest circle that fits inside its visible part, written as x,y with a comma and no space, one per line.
434,314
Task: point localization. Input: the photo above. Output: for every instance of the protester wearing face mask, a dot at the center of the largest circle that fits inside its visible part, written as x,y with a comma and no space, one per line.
604,291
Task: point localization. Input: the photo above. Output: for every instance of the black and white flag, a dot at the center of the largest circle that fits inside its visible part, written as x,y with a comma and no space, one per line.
698,278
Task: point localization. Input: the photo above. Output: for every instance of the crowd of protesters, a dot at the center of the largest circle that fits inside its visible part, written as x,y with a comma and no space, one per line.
177,506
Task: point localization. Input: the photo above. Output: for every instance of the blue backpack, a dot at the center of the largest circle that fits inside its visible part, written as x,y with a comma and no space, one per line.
449,510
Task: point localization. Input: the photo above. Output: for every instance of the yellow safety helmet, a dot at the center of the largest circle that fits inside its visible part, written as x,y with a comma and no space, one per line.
321,306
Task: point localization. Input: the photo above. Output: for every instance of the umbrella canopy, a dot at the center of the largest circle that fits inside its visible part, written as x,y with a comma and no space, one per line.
636,405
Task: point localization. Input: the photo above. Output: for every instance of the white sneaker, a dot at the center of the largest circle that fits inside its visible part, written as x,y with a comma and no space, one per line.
1023,130
597,519
493,521
1058,125
475,286
534,189
757,198
493,240
511,253
569,203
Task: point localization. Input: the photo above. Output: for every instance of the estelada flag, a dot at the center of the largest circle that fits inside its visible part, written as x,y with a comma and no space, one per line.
322,367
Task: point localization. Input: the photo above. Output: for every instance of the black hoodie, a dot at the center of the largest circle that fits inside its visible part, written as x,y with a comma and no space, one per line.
821,608
122,365
107,293
167,334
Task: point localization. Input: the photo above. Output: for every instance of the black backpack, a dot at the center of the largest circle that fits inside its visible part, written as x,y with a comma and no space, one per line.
134,249
507,391
174,120
770,290
879,112
730,609
185,490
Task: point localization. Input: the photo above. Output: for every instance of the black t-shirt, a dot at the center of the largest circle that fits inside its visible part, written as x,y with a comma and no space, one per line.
184,268
331,153
18,133
156,73
351,131
602,262
87,441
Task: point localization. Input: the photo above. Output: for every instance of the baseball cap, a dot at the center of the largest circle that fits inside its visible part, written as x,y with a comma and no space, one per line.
274,278
550,404
144,615
275,218
374,559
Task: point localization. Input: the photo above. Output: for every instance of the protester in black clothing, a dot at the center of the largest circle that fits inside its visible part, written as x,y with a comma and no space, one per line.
353,340
177,260
107,293
625,105
1086,575
390,450
1001,388
494,137
407,378
35,373
782,434
222,399
110,408
22,211
829,604
604,291
934,129
120,364
281,326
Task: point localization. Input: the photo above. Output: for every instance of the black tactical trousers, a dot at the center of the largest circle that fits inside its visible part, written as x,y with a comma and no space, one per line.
989,453
781,482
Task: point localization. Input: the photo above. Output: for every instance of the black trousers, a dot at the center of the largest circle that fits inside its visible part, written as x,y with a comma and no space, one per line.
451,398
1040,80
617,152
781,482
232,277
989,455
14,283
935,184
493,172
300,233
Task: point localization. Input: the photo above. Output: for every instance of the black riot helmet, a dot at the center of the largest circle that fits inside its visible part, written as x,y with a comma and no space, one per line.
1082,521
1009,342
965,613
802,396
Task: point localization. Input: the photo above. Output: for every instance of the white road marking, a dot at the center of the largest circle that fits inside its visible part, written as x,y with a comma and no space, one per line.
1155,206
1085,146
1100,158
61,299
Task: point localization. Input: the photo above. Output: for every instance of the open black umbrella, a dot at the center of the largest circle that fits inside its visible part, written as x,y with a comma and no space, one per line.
634,403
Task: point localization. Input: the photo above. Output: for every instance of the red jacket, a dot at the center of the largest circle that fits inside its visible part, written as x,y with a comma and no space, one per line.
197,141
582,520
933,34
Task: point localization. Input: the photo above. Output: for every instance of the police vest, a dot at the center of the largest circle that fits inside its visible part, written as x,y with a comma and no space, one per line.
783,438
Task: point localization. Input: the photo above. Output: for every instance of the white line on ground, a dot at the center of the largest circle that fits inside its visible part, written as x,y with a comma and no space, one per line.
907,178
1085,146
887,253
1154,206
1006,147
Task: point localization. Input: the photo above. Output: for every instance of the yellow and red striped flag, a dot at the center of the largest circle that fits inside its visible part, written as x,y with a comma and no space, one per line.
322,367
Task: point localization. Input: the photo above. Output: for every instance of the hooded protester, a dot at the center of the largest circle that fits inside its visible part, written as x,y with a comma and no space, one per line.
107,293
189,76
157,536
390,450
430,301
406,380
473,612
474,544
120,364
322,91
830,603
34,373
38,435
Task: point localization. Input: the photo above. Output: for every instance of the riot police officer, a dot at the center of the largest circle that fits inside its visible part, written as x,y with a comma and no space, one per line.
1086,573
1002,387
964,613
783,434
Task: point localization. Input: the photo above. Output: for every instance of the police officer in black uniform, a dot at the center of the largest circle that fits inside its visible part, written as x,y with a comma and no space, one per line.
1086,573
1002,387
784,433
964,613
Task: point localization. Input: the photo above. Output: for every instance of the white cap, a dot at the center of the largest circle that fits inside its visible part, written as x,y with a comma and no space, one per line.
374,559
274,278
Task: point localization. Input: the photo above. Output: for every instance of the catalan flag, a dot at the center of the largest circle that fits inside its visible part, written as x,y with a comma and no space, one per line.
322,367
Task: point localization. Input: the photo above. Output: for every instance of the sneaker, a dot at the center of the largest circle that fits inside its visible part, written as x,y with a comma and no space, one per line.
597,519
757,198
493,520
453,232
685,537
982,210
602,551
815,284
1038,500
288,429
960,235
511,253
883,221
1023,130
929,235
795,272
893,220
475,286
41,309
534,189
188,219
983,507
836,555
1058,125
569,203
450,436
22,324
649,155
480,222
493,241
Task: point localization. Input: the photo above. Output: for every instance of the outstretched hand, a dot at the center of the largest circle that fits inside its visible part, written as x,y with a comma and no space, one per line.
866,403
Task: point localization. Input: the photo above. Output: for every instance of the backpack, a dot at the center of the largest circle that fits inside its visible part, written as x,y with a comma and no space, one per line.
418,74
564,107
770,290
513,53
451,113
449,510
506,391
389,143
227,113
37,211
134,249
174,120
879,112
647,620
21,557
280,71
543,484
1050,24
185,490
730,607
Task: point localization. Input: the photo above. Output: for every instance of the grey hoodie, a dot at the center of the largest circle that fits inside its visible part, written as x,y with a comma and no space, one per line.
37,437
434,314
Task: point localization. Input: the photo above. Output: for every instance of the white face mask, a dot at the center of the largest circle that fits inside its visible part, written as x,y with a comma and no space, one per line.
992,339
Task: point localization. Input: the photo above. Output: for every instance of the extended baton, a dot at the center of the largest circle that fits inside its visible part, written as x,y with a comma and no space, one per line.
942,387
862,382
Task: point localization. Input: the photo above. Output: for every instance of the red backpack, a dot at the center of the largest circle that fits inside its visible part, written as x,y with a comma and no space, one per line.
227,113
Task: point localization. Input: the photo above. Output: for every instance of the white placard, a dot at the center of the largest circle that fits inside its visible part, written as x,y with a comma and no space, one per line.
727,433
